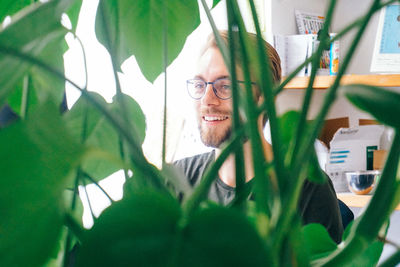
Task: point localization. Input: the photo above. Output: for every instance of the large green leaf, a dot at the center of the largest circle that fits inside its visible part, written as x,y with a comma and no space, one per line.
28,33
136,28
37,157
10,7
381,103
317,241
136,231
371,255
288,124
218,236
101,135
42,84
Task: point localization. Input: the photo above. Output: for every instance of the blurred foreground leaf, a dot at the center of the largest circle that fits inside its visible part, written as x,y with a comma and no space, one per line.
42,84
30,34
288,124
136,231
100,135
379,102
218,236
37,158
10,7
317,241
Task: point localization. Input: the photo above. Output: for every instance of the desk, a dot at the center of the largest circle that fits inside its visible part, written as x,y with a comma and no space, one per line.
357,201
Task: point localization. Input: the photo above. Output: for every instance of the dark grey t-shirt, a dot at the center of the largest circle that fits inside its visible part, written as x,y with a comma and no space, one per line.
318,202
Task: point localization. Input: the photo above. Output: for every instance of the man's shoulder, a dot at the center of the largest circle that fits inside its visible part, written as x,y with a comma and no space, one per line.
199,158
193,167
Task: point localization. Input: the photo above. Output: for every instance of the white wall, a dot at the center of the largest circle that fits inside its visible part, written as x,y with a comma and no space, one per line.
283,22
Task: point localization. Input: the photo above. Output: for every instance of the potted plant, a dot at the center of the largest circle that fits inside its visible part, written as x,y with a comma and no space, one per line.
46,155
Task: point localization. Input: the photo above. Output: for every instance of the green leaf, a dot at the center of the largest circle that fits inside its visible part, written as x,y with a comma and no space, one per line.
28,33
74,118
37,158
73,13
135,115
42,85
379,102
139,181
369,257
100,135
317,241
219,236
136,231
136,28
294,253
215,2
288,124
10,7
315,173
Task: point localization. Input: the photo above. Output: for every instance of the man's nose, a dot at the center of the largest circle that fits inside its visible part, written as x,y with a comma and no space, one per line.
209,97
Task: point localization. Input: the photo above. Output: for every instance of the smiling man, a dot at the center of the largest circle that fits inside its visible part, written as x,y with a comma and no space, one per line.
211,90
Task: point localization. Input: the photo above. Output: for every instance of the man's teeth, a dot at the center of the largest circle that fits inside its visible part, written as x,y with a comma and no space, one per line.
215,118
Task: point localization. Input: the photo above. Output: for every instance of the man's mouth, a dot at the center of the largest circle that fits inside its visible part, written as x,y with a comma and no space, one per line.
215,118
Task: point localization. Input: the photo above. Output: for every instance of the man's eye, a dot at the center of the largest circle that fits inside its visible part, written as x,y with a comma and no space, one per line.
226,86
198,85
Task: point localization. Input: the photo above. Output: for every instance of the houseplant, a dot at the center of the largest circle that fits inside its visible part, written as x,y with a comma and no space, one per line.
46,155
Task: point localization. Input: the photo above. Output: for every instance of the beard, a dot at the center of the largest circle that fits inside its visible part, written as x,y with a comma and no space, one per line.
212,138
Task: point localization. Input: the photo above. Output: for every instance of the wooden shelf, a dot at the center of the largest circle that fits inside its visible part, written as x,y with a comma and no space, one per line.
356,201
323,82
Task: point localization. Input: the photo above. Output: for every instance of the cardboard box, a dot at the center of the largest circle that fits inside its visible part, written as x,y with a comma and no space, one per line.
351,149
379,159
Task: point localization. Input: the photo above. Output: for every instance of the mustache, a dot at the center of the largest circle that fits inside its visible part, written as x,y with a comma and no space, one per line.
215,111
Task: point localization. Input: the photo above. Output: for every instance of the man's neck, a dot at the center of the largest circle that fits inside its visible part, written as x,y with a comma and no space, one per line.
227,172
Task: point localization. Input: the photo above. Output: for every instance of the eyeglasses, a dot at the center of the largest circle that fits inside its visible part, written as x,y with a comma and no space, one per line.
222,88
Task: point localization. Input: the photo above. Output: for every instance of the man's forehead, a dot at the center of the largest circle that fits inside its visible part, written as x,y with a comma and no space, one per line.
211,63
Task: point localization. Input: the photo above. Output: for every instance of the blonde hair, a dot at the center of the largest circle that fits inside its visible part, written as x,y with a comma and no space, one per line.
275,61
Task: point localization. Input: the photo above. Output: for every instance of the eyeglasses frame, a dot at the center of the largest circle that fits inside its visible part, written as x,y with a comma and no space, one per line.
212,86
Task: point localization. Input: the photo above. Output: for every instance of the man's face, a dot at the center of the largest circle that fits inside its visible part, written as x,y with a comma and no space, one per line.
214,115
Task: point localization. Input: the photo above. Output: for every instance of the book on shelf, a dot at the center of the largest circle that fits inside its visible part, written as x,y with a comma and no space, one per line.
308,23
295,49
386,55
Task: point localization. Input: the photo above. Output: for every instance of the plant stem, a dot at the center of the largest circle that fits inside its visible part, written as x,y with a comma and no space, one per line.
264,66
302,126
88,200
73,225
83,56
392,260
165,49
236,123
87,176
25,96
220,43
68,240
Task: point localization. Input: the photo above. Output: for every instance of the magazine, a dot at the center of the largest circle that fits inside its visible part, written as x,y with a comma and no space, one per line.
308,23
386,55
